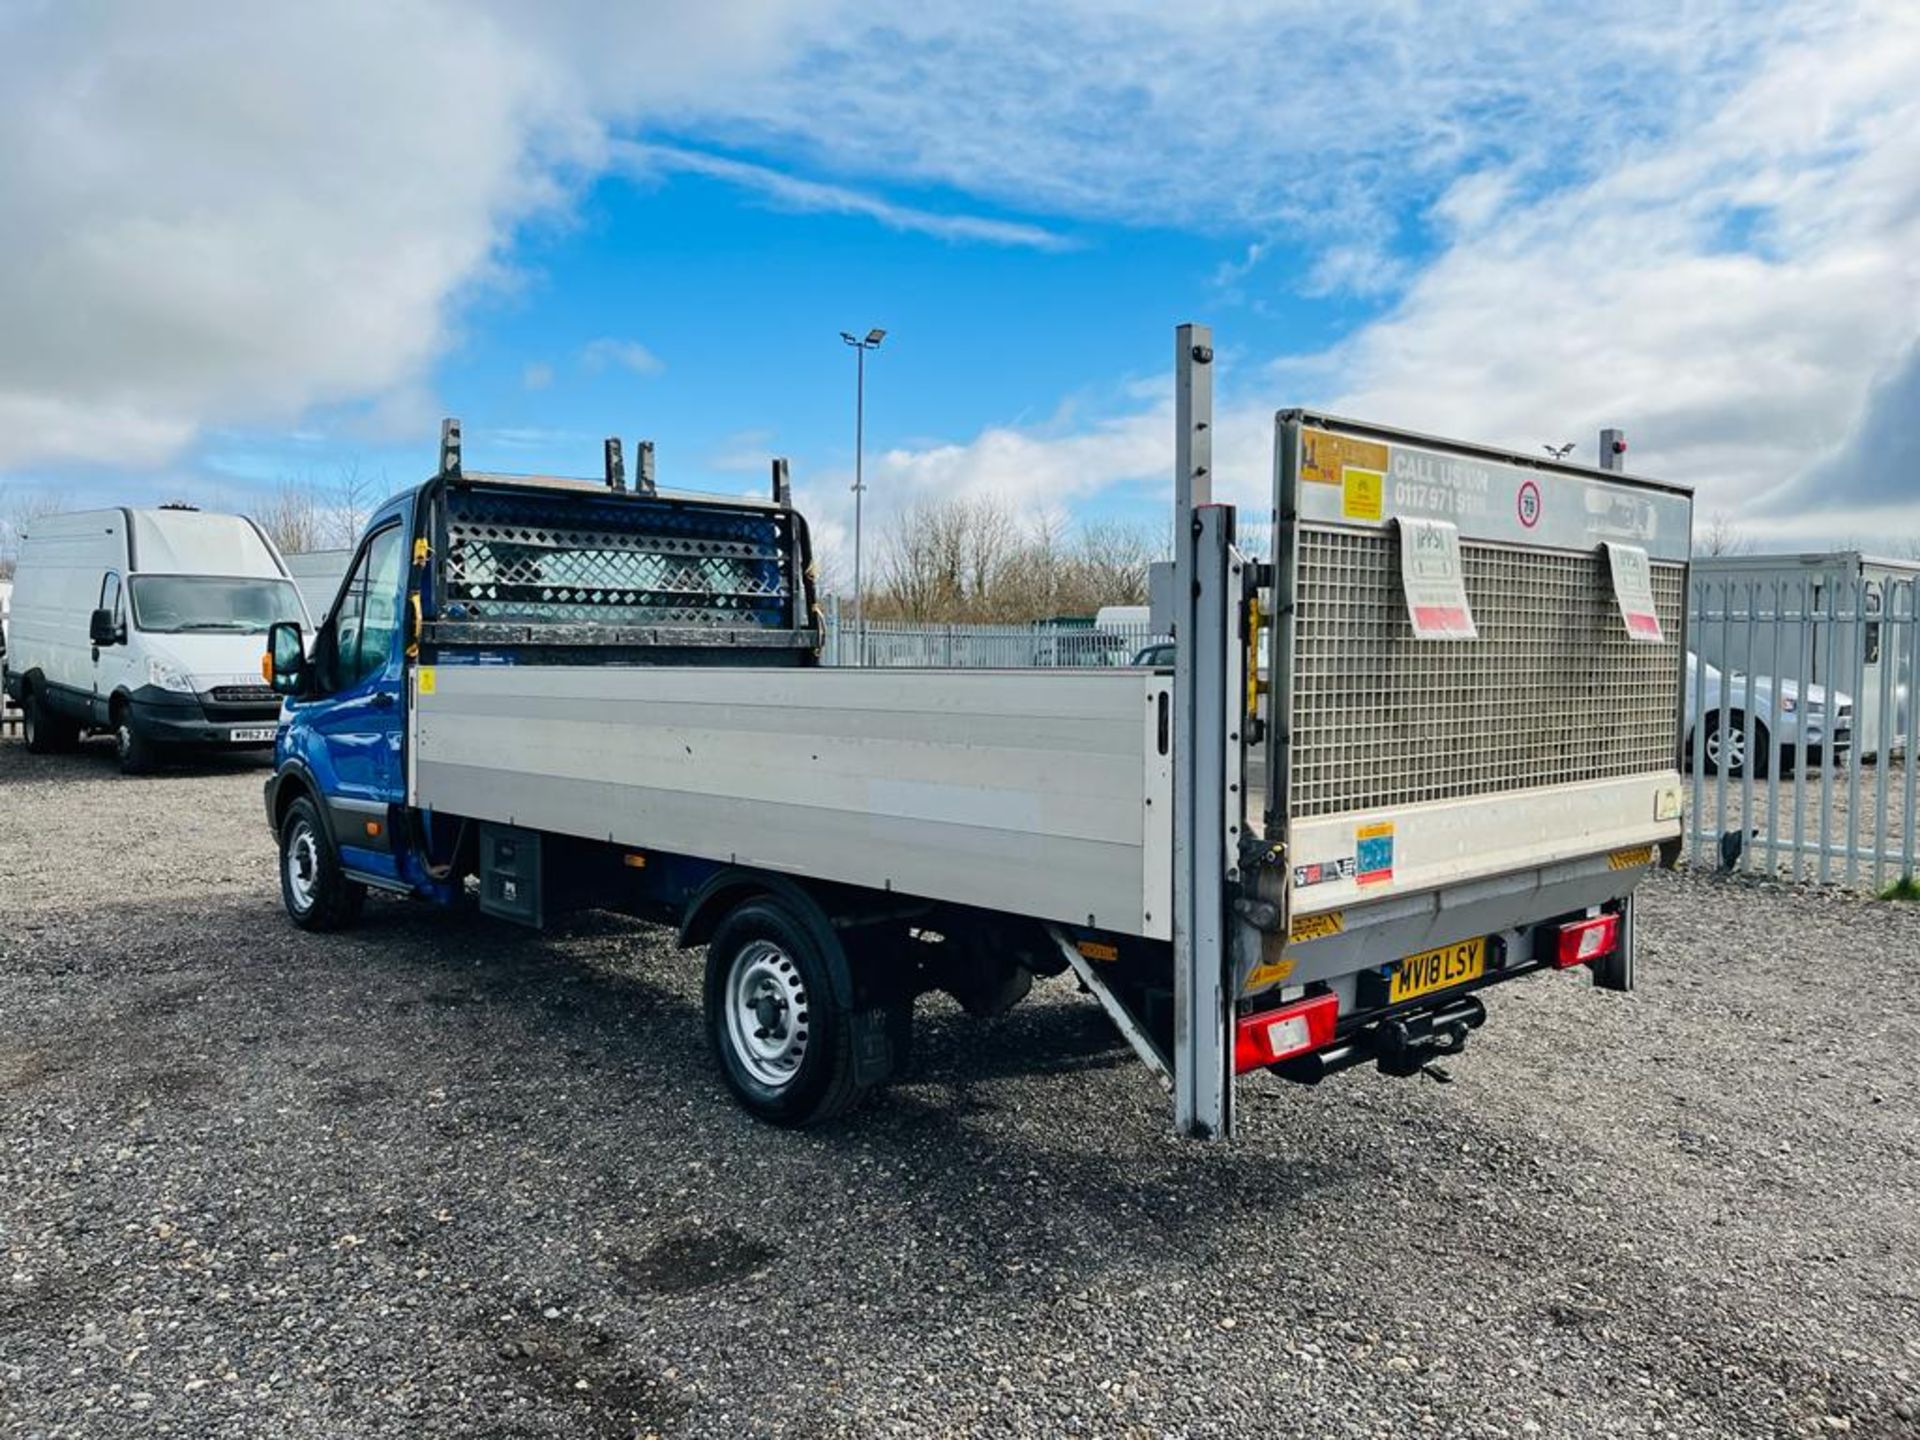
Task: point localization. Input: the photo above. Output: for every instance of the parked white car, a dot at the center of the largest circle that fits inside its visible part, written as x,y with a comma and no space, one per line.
1826,720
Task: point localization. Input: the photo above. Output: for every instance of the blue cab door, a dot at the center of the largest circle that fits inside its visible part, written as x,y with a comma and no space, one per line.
354,720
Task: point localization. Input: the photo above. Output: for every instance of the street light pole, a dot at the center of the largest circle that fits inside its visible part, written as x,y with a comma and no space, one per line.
860,348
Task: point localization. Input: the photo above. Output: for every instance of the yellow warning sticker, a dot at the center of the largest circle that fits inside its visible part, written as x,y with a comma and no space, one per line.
1315,927
1094,950
1363,493
426,679
1271,973
1324,457
1627,859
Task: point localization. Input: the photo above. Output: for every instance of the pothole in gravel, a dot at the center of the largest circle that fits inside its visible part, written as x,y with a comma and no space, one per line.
693,1257
579,1365
356,1091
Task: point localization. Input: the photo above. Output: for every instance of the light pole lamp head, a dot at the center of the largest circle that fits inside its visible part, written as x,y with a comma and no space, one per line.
874,337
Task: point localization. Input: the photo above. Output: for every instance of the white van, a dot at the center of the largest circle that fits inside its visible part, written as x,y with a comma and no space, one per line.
147,624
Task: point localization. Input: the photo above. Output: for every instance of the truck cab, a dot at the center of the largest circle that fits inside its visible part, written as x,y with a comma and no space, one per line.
341,750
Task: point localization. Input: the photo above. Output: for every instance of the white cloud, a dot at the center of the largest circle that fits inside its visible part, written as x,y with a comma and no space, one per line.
1744,298
223,214
607,352
1322,114
1729,298
1696,221
791,192
537,376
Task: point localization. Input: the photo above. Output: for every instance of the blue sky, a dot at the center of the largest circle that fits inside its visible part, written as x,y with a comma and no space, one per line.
248,245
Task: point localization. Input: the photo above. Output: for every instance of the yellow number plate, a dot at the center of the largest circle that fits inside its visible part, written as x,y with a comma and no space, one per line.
1437,969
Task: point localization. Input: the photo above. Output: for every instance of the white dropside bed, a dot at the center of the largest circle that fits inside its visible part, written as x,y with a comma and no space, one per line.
1039,793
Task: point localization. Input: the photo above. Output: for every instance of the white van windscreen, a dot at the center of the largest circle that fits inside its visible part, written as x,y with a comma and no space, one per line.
174,604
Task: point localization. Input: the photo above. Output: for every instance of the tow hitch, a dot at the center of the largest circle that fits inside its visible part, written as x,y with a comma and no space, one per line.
1399,1044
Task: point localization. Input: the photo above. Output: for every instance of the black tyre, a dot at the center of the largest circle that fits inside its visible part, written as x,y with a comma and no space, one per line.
1731,755
138,754
784,1041
316,892
45,732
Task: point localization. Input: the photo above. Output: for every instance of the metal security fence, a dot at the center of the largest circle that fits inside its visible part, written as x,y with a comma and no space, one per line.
1798,732
983,647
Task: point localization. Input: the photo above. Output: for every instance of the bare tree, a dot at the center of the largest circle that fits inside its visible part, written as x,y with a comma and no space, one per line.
351,497
293,519
1720,536
306,512
969,560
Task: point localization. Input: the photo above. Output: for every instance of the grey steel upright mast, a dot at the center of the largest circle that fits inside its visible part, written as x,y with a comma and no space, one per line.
1207,580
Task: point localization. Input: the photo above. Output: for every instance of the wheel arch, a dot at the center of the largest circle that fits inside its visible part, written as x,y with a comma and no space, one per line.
294,782
731,888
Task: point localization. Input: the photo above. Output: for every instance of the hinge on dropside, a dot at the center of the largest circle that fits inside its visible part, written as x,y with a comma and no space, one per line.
1257,855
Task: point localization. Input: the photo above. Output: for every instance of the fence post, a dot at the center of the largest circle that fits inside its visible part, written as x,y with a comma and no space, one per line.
1911,822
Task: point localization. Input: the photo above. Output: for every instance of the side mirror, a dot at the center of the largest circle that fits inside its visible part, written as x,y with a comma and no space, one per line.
101,629
286,659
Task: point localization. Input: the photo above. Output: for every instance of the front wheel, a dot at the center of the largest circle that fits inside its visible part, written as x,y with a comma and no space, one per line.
784,1040
317,893
137,753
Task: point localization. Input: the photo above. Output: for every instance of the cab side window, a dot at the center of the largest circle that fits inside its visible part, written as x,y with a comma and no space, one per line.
367,617
380,621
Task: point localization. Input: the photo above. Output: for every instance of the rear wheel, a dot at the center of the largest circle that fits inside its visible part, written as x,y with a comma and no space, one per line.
317,893
784,1040
45,732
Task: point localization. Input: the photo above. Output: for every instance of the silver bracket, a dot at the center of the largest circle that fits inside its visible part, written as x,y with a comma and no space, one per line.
643,469
616,465
782,483
1123,1018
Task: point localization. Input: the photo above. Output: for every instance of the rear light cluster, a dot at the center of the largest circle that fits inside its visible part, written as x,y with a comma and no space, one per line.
1581,942
1273,1035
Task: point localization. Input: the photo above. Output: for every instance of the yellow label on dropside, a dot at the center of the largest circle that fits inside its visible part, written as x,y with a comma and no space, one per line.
425,673
1315,927
1271,973
1363,493
1094,950
1324,456
1627,859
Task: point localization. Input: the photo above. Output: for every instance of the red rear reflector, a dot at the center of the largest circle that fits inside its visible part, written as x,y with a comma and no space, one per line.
1584,941
1272,1035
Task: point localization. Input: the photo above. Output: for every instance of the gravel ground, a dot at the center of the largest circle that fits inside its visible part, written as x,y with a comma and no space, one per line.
438,1178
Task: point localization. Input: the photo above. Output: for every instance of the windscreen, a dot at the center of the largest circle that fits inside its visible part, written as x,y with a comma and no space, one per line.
174,604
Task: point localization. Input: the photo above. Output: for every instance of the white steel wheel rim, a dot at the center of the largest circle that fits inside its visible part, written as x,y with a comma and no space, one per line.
123,739
303,865
767,1013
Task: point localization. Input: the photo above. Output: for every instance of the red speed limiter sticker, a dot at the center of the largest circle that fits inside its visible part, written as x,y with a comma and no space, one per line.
1528,504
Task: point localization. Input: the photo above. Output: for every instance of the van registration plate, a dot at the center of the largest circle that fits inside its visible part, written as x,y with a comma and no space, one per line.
1432,970
251,734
